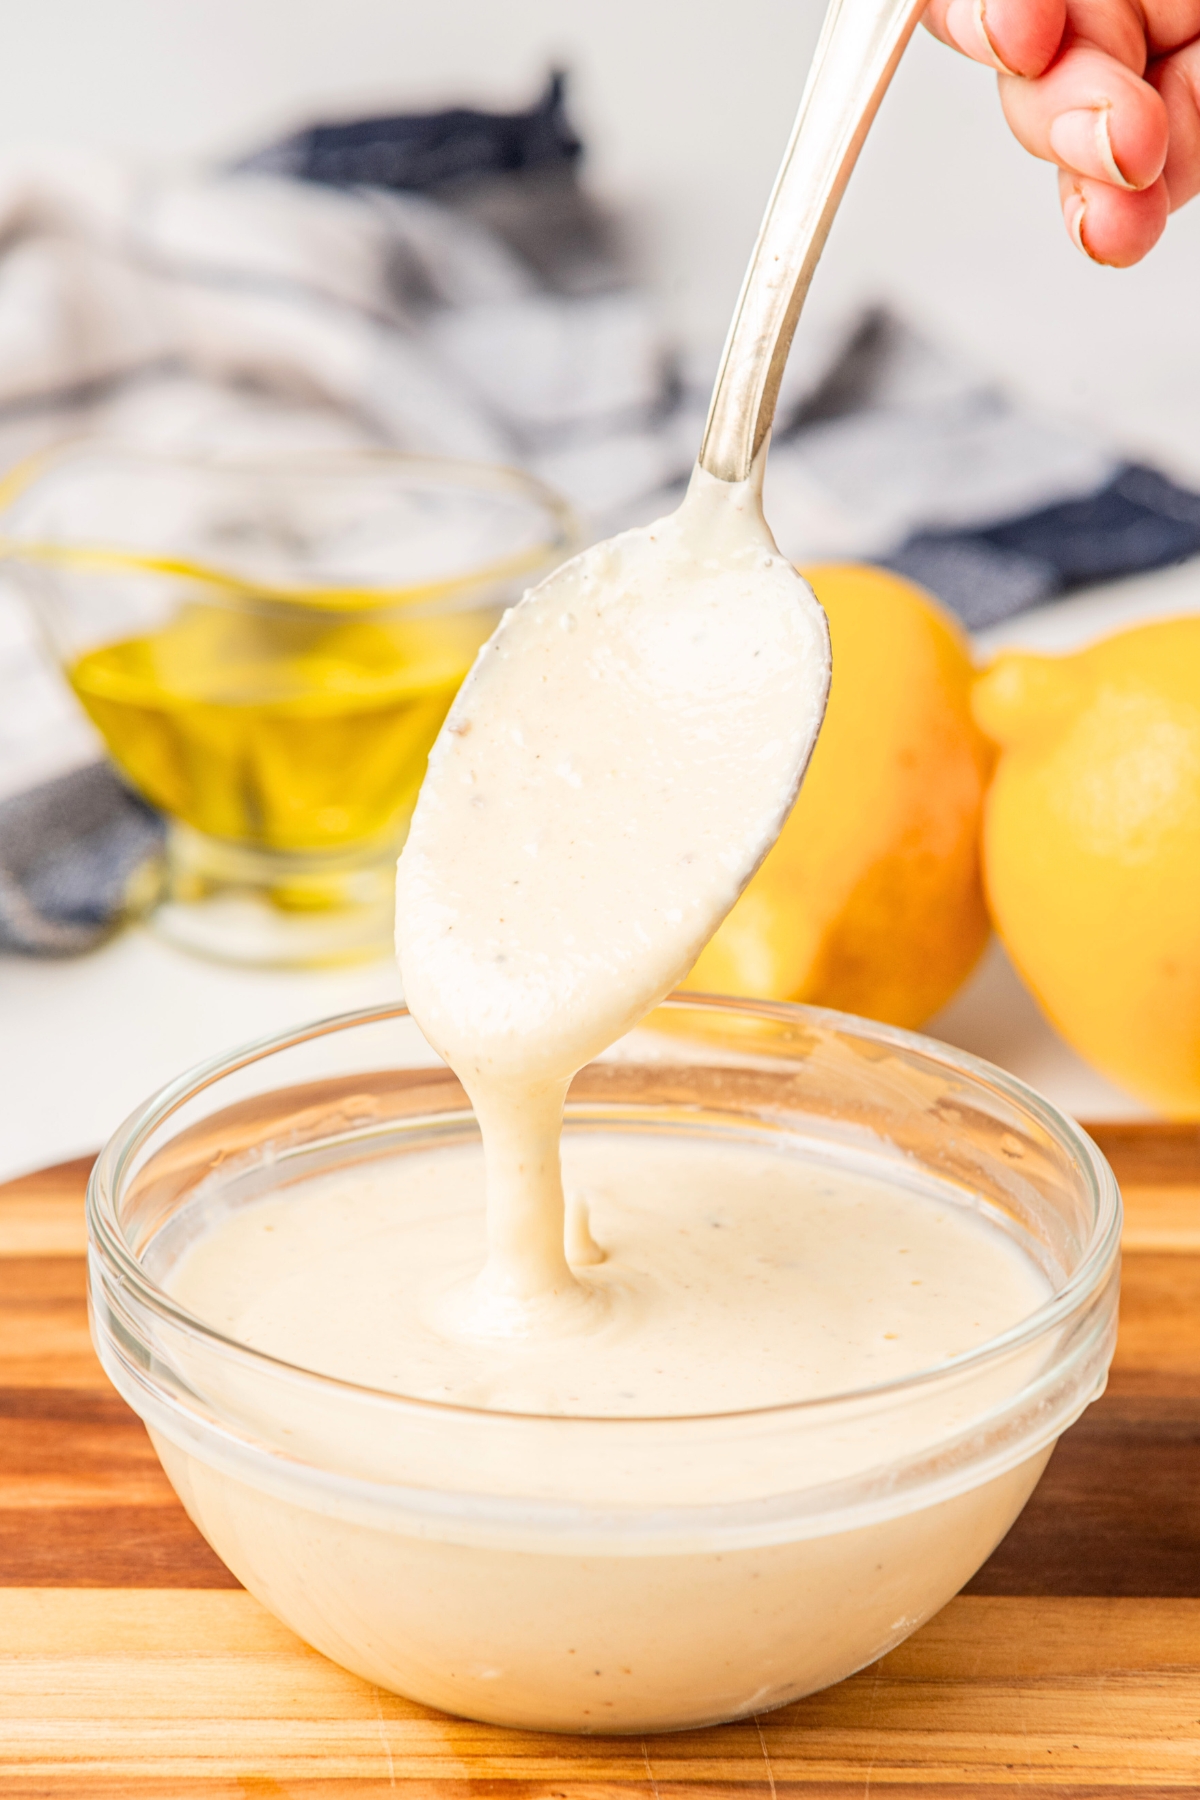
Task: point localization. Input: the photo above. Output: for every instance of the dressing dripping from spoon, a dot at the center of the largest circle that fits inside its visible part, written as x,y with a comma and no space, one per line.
626,749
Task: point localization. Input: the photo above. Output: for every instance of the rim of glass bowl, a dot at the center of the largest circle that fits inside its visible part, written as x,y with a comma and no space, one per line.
557,544
105,1233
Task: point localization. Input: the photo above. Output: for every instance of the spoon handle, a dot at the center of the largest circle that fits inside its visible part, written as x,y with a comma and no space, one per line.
860,44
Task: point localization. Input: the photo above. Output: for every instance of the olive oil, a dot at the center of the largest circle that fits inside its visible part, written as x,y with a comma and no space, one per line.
284,726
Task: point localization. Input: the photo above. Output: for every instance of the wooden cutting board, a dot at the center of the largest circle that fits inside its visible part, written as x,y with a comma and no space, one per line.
131,1663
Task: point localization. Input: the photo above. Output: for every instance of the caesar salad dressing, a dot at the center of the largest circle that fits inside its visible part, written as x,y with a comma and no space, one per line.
608,778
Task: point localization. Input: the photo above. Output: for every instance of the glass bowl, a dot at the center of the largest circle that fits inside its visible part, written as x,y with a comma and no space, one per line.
268,647
605,1574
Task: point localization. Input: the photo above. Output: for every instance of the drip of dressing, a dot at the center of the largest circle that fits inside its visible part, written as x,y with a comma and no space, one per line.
620,759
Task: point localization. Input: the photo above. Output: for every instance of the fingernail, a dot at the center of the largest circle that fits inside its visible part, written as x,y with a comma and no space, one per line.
1074,208
1081,140
966,21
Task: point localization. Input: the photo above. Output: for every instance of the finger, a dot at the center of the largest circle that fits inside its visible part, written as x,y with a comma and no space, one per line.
1111,225
1018,37
1169,24
1091,115
1177,79
1117,26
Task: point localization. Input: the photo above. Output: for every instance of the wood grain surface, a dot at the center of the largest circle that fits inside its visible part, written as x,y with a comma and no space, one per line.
132,1664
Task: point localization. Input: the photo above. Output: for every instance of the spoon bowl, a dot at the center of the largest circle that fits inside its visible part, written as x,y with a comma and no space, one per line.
698,648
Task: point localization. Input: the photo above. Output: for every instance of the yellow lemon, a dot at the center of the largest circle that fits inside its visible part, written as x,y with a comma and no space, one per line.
871,900
1092,848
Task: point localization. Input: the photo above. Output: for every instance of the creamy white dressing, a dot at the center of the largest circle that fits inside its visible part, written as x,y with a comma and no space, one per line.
618,762
735,1275
738,1275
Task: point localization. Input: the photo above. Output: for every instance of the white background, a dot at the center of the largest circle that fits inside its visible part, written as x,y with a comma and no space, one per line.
686,105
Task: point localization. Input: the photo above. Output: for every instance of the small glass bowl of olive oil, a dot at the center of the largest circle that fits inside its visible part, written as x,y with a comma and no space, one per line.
268,647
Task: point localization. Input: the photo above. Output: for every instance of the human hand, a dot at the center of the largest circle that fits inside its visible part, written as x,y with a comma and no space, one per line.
1107,89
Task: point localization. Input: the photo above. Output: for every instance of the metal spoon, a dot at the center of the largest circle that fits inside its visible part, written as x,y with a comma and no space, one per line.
860,45
692,665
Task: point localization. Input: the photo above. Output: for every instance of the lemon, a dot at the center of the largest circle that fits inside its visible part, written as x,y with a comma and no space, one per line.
871,899
1092,848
